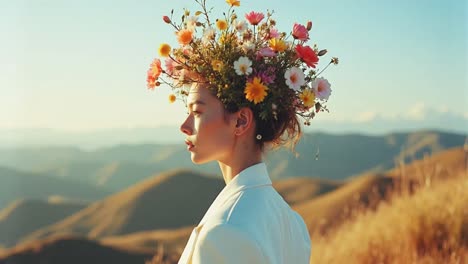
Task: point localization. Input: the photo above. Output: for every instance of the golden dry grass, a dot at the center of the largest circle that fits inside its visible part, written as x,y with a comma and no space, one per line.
428,226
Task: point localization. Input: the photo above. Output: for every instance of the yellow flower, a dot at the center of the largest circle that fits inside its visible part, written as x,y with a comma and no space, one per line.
221,24
164,50
172,98
255,91
233,2
217,65
308,97
277,45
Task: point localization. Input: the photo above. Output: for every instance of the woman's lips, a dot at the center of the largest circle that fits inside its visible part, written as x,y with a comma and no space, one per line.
189,145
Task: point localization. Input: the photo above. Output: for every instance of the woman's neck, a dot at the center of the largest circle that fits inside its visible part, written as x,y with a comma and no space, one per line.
239,161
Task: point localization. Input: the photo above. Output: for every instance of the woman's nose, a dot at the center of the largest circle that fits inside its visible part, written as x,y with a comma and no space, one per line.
185,128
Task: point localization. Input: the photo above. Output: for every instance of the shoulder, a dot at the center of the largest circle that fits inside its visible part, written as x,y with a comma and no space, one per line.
251,204
226,243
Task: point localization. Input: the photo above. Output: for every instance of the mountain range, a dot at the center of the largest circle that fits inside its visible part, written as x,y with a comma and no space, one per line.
160,211
151,195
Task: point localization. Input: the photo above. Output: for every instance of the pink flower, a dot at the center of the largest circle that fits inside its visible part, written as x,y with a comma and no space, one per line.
254,18
150,80
321,88
307,55
273,33
267,76
300,32
155,68
266,52
170,66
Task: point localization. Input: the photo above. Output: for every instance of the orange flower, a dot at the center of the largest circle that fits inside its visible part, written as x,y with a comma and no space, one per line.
221,24
172,98
255,91
184,36
164,50
233,2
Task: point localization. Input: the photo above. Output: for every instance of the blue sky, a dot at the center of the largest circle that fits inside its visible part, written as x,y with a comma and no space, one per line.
81,65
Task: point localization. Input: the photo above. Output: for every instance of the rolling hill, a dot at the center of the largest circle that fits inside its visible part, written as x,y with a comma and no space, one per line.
300,189
174,199
368,190
72,250
25,216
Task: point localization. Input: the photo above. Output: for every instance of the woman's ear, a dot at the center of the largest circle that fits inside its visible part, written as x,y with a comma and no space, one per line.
244,120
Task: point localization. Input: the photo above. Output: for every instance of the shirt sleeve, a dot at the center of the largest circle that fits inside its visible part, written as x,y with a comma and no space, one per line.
227,244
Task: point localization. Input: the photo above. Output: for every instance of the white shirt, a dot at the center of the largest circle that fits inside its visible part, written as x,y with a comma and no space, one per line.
249,222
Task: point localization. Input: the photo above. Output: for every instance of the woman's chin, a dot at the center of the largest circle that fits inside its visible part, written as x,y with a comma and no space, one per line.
196,159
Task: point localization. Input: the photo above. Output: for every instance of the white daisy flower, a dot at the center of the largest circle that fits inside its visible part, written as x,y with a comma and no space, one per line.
243,66
191,22
241,26
321,88
248,46
295,78
208,34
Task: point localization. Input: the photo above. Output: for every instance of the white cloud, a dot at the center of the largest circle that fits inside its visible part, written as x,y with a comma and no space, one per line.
365,117
418,111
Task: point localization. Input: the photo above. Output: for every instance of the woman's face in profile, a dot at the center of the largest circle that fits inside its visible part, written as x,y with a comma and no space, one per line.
209,134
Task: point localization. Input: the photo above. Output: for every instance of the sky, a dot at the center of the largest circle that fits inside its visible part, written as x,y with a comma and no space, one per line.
81,65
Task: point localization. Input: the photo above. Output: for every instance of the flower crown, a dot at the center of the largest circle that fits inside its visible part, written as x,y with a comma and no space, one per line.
244,62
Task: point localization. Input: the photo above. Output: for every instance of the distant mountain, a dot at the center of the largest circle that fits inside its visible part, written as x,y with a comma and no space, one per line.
342,156
25,216
323,155
16,185
171,200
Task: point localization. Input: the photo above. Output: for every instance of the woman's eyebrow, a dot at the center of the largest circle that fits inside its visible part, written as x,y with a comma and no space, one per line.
196,102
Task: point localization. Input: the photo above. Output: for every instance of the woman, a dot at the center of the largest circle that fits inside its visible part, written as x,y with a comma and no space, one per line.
245,86
249,222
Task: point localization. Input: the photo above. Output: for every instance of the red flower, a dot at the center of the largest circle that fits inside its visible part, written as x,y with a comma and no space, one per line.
254,18
300,32
307,55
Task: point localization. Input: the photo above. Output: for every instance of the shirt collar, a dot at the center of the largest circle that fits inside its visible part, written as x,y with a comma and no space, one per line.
253,176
